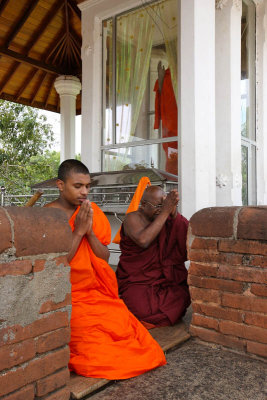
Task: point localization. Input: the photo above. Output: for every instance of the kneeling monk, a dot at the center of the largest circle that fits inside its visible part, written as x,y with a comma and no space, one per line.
107,341
151,273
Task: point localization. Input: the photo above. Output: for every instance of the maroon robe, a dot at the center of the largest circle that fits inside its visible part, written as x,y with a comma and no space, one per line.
153,281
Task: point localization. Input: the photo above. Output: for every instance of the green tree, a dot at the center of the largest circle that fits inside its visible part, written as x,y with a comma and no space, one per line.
25,142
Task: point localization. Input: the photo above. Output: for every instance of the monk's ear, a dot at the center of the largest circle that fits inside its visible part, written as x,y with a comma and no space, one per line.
60,184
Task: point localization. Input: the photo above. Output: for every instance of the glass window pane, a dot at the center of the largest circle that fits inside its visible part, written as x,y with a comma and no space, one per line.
146,49
244,175
161,156
107,82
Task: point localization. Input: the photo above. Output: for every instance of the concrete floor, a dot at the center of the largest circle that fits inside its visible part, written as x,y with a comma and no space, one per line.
196,371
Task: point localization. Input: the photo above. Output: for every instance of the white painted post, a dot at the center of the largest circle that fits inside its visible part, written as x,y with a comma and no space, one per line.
197,184
228,103
68,87
261,118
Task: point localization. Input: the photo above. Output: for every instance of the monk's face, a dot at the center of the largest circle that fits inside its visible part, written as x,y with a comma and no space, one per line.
75,188
152,204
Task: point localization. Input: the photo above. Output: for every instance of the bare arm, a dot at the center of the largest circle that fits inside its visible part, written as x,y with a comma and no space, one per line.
82,224
99,249
143,234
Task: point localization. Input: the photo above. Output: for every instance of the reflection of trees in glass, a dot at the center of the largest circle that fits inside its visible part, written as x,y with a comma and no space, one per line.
244,175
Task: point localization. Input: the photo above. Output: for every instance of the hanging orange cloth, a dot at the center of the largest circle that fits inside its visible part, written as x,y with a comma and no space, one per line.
107,341
166,111
133,206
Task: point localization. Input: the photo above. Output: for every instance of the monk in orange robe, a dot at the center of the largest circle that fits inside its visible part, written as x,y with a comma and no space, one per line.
107,341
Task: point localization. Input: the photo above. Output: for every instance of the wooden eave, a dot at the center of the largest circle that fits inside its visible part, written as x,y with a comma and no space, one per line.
39,41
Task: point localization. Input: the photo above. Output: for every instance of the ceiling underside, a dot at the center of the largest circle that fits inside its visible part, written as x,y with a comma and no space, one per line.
39,41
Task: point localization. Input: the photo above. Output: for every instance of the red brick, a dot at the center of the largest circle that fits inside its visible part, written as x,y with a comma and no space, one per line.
61,260
6,236
242,302
258,261
51,305
205,322
17,267
217,284
205,244
252,222
15,354
257,319
211,296
243,246
257,348
201,256
39,265
43,226
244,274
259,290
52,382
209,335
16,333
218,312
52,340
213,222
26,393
36,369
62,394
244,331
203,269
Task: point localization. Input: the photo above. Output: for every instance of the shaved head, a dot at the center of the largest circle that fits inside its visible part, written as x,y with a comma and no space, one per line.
151,192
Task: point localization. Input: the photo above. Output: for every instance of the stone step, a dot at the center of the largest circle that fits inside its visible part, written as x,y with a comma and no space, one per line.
168,337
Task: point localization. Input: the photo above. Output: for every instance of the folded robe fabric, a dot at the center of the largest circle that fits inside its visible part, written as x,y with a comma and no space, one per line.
107,341
153,281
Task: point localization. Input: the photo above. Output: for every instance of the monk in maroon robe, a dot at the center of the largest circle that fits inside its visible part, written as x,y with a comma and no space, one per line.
151,273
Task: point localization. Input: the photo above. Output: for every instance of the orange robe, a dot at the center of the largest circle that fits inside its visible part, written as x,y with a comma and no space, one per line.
107,341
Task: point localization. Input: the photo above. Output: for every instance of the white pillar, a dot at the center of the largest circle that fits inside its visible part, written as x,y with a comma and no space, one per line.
261,103
197,184
68,87
228,102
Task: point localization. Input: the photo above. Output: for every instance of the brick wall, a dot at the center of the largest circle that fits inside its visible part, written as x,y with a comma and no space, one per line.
227,248
35,304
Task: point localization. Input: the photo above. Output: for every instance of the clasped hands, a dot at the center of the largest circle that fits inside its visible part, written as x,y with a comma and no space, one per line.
170,203
84,219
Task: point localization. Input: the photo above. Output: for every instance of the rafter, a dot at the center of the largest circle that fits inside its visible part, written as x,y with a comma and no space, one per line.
75,8
2,5
21,22
41,81
27,81
32,62
59,38
49,91
8,76
54,10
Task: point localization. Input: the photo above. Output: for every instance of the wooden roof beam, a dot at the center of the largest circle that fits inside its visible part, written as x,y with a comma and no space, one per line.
2,5
51,14
49,92
21,22
8,76
29,78
75,8
38,87
32,62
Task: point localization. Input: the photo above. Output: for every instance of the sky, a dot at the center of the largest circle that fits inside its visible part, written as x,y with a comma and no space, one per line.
54,119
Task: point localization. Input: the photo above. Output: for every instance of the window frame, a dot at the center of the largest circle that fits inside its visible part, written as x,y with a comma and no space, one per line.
136,143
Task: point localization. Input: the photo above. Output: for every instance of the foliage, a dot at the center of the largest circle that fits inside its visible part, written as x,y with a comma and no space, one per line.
25,140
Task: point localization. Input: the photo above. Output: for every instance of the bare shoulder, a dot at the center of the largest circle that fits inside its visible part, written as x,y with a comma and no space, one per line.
132,217
53,204
133,222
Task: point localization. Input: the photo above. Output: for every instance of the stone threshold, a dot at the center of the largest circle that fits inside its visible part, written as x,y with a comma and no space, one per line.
168,337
